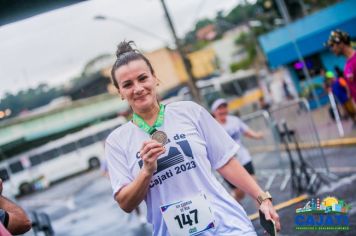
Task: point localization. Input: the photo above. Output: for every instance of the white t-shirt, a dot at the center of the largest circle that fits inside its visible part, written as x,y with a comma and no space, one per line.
197,141
236,128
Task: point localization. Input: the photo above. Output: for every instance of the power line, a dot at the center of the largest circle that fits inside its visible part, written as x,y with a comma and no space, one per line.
135,27
186,63
198,10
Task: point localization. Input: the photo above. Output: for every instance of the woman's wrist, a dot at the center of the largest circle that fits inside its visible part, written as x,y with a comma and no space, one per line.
147,173
267,202
263,196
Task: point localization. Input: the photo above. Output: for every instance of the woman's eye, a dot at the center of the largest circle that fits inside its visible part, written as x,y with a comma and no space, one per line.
143,78
126,85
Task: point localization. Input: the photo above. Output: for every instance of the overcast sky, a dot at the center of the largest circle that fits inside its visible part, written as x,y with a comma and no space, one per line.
53,47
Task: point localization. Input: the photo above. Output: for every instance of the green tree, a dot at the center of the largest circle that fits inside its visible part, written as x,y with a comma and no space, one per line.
202,23
245,41
29,99
241,13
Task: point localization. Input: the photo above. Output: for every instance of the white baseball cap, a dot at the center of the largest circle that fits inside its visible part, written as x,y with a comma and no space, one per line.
217,103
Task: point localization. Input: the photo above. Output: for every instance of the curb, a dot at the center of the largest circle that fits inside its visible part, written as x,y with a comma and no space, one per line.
332,143
282,205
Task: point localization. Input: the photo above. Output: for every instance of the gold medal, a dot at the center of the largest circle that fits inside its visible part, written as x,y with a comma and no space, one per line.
160,137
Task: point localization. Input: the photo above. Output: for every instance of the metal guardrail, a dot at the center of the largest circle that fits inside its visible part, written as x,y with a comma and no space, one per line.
270,156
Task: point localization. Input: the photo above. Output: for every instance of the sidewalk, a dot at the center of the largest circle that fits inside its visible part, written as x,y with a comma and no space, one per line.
272,166
327,127
323,128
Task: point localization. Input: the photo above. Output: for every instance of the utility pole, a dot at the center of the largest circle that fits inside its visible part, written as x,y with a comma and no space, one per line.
284,12
187,65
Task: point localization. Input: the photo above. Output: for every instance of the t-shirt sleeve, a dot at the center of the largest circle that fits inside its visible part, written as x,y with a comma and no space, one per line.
348,72
117,167
242,125
220,146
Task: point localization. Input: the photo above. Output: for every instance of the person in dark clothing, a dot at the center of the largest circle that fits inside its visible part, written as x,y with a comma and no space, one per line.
341,92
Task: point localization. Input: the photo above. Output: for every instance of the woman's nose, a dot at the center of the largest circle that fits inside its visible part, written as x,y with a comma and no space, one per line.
138,89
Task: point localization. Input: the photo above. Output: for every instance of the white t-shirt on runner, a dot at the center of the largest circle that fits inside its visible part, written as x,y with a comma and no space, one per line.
236,128
196,141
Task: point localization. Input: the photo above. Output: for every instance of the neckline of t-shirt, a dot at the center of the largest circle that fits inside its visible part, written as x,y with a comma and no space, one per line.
164,118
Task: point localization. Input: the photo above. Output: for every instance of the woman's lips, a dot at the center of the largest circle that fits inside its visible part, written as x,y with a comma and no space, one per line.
142,97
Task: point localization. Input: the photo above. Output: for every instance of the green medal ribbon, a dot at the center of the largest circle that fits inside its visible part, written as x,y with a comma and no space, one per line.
144,126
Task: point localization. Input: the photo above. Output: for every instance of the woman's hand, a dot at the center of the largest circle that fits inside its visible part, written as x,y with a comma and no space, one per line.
131,195
254,134
260,135
149,153
270,213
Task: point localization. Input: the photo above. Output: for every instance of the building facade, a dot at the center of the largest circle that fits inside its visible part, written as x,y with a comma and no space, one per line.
306,37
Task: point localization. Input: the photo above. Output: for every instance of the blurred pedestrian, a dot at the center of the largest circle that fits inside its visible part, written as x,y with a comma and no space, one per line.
263,104
341,92
339,86
104,168
235,127
329,93
340,44
12,216
287,94
165,154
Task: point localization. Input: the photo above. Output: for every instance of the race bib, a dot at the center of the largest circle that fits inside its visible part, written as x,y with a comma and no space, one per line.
191,216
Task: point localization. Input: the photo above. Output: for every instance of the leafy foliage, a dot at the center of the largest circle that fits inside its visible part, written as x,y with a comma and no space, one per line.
246,41
29,99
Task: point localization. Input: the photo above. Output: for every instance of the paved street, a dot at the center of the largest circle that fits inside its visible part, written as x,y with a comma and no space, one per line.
83,205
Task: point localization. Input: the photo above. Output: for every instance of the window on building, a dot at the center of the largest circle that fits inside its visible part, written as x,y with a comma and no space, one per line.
51,154
86,141
4,174
35,160
103,134
313,63
16,167
70,147
231,88
248,83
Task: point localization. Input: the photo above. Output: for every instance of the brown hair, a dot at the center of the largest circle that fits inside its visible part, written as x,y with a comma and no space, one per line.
124,55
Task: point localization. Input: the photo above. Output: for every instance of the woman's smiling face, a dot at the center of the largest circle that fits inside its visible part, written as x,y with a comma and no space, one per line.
137,85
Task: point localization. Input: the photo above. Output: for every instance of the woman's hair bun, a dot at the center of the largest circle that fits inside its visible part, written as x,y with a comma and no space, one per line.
124,47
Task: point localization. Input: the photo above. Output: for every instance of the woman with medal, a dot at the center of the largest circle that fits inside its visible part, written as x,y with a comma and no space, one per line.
165,154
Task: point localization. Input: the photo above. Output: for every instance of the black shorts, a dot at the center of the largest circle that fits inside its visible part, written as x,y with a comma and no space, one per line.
249,168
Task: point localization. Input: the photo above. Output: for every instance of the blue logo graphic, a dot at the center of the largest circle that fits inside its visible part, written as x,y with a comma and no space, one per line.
328,214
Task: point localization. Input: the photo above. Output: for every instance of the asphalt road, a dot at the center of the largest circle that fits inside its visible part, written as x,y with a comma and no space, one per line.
83,205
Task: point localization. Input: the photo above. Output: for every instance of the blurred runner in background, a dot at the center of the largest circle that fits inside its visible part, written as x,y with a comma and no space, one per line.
342,93
236,128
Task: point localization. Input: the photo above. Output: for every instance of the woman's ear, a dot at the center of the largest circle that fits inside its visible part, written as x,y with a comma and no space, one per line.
157,81
118,91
